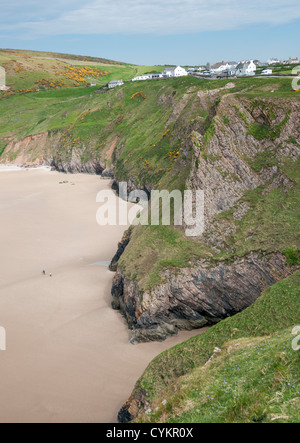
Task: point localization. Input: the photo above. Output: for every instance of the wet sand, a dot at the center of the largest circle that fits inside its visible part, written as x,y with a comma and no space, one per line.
68,357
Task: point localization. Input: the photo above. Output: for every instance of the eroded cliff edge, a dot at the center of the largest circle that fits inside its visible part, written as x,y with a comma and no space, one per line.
197,297
246,162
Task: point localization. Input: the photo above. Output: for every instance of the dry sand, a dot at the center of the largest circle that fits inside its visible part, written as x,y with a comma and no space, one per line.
68,357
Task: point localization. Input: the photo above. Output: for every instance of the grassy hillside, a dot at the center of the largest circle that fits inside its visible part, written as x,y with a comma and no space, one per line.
29,71
255,378
155,136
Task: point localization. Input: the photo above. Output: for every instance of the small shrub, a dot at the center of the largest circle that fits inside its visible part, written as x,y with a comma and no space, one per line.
292,256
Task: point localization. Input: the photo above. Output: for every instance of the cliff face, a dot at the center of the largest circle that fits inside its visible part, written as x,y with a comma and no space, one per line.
245,149
246,144
197,297
76,166
42,149
247,163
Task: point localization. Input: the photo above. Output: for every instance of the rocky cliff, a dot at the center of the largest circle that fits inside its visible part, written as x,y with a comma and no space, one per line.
250,146
197,296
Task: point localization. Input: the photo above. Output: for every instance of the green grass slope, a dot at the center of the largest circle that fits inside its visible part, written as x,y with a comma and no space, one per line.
30,71
255,378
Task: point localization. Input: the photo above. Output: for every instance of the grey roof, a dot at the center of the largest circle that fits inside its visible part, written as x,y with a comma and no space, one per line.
218,65
243,65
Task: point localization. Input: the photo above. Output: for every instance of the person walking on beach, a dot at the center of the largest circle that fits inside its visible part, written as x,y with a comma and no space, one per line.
44,272
50,274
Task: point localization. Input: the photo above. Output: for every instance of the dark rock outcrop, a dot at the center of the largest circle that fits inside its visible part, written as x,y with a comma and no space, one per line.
121,248
198,296
130,409
75,166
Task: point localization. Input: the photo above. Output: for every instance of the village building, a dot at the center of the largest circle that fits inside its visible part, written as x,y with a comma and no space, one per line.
177,71
227,73
223,67
274,61
151,76
294,61
143,77
246,68
267,71
115,83
157,75
220,67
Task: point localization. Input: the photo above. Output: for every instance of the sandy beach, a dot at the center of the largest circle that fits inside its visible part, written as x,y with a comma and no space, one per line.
68,357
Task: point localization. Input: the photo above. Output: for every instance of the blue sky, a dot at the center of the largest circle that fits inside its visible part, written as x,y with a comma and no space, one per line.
187,32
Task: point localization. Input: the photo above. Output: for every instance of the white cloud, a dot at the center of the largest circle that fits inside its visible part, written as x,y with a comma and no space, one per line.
148,16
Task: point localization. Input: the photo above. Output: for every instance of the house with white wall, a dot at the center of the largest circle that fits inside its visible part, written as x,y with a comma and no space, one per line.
177,71
274,61
246,68
220,67
157,75
115,83
147,77
267,71
294,61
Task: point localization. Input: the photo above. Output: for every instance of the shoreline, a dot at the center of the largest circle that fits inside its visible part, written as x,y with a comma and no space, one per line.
68,357
18,168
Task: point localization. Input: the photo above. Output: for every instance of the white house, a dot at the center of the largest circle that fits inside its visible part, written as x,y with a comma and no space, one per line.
220,67
294,61
246,68
274,61
267,71
143,77
115,83
177,71
232,65
168,73
157,75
